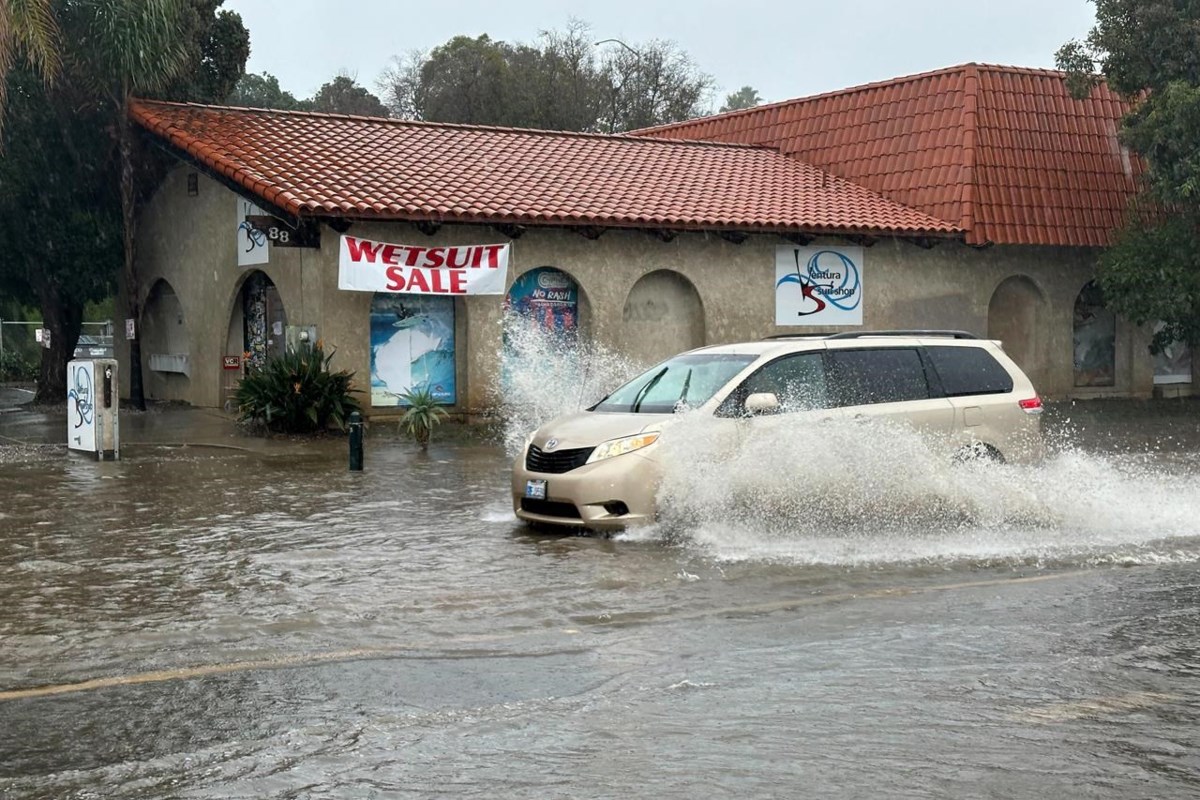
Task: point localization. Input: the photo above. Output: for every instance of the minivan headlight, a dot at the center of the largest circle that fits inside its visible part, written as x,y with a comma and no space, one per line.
619,447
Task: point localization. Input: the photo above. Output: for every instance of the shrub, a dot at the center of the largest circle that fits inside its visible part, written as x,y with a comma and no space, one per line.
15,367
422,414
297,392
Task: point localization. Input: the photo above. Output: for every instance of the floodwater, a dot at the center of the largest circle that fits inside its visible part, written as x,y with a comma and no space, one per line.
209,623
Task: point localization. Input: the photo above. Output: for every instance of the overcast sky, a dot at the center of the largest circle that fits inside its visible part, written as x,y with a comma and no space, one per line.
783,49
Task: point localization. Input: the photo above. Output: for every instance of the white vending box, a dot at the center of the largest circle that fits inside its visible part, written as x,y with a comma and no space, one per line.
92,408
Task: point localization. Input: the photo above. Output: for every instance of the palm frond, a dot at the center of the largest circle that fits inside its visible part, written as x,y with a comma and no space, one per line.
29,30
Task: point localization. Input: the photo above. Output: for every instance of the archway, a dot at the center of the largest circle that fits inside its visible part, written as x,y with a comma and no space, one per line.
549,299
166,344
412,347
1015,315
544,318
258,321
1094,339
663,315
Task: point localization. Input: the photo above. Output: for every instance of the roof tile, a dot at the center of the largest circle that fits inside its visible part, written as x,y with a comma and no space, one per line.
1029,134
335,165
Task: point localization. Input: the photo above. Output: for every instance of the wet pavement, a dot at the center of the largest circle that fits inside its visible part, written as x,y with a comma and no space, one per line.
245,618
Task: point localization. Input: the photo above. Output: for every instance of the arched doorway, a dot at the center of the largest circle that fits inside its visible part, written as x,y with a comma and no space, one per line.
258,322
1015,313
165,344
412,347
1094,339
544,316
548,299
663,315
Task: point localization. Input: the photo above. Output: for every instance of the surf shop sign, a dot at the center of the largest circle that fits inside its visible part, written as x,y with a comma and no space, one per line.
368,266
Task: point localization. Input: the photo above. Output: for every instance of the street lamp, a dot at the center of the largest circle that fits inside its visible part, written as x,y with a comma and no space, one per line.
636,54
619,89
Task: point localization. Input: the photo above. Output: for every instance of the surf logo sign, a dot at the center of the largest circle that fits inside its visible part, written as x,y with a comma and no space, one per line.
818,286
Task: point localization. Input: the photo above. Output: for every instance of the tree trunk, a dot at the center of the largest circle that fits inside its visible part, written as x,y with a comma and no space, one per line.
133,291
64,319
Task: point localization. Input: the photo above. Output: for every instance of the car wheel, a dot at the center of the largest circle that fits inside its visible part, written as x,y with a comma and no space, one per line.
978,451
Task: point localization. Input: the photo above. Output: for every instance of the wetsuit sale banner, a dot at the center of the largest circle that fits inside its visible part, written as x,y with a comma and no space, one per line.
818,286
367,266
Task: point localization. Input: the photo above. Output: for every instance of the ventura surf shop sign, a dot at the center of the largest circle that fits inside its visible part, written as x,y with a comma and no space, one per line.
367,266
818,286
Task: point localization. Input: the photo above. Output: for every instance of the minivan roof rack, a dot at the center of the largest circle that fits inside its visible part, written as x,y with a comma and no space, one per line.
861,334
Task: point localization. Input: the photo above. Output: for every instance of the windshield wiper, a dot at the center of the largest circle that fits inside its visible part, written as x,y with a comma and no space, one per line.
645,390
687,382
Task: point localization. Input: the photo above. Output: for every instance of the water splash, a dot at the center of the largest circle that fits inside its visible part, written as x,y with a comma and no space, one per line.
847,492
545,374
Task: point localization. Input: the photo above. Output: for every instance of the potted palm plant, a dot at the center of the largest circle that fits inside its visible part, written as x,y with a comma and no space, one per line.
422,414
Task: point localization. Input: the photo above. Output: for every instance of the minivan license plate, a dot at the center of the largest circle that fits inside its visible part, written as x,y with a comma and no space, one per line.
535,490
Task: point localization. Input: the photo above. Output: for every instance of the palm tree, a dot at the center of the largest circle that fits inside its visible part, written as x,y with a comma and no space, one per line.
28,30
127,48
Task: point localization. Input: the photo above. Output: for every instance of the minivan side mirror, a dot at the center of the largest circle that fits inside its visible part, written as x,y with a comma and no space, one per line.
762,402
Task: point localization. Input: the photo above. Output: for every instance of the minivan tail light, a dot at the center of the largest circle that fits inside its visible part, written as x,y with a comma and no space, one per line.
1031,406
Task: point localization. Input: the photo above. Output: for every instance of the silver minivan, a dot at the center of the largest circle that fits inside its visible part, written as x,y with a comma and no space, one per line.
598,468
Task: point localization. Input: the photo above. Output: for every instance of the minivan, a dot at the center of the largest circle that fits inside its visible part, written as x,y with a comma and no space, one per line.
598,468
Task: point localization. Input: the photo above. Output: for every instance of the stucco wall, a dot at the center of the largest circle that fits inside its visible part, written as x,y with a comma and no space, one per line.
190,242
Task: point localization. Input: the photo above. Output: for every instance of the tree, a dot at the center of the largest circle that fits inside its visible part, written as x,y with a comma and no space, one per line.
70,186
1149,51
563,82
464,80
653,84
262,91
343,95
29,31
61,225
745,97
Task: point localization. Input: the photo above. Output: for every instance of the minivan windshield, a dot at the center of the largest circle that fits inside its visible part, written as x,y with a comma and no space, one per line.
684,381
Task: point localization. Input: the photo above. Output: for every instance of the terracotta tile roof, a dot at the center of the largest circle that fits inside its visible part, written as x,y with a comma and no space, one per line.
317,165
1003,152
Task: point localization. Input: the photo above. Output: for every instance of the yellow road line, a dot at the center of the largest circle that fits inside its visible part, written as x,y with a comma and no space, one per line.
1096,707
334,656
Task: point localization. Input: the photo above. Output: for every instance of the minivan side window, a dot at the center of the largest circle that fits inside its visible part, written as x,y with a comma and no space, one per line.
969,370
797,380
885,375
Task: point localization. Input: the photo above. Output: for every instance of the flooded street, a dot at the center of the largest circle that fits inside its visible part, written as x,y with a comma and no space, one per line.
204,623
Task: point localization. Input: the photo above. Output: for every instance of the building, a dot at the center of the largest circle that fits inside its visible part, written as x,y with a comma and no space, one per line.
975,198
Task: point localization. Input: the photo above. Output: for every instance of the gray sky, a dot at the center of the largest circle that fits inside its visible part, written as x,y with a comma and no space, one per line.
783,49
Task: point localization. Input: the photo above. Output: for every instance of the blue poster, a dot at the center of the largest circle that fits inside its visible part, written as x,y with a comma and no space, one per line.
548,298
412,347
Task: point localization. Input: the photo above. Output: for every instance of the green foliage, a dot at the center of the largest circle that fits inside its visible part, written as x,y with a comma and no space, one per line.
297,393
564,82
64,197
29,33
343,95
1149,51
745,97
263,91
16,367
422,415
1152,273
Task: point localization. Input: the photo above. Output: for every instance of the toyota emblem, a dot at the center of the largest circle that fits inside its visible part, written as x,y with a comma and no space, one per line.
550,445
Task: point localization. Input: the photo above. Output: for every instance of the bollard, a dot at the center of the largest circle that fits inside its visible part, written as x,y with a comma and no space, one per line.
356,442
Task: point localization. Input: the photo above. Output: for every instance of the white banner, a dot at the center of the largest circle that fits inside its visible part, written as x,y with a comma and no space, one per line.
367,266
818,286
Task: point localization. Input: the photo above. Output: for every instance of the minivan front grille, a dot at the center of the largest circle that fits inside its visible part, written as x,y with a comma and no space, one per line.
550,508
558,462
